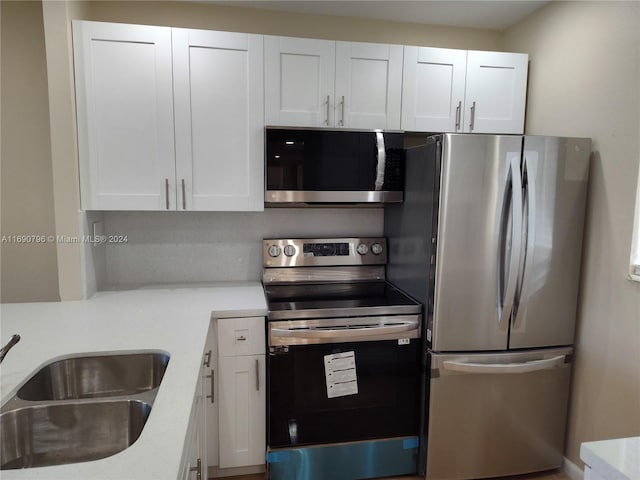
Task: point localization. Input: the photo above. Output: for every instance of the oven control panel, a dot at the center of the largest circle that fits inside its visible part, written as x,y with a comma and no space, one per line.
278,252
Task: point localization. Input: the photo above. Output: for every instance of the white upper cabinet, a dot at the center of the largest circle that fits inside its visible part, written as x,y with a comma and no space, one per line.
368,85
496,91
316,83
433,89
125,116
447,90
299,79
219,112
138,88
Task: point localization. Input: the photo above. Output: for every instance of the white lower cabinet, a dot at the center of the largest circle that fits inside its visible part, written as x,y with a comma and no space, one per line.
195,451
242,411
235,394
210,378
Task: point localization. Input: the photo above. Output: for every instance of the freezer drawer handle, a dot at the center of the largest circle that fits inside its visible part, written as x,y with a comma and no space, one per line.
492,368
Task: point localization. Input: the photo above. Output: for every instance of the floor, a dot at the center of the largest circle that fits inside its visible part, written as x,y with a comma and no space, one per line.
550,475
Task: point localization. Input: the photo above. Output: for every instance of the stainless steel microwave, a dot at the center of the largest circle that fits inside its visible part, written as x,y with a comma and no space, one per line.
311,167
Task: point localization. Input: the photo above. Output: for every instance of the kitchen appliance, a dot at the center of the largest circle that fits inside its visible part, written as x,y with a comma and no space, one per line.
307,167
489,238
344,362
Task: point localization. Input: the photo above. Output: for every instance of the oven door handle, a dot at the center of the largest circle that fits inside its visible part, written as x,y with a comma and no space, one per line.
355,331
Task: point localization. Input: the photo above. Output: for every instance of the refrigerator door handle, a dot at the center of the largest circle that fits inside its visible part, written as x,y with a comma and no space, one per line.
502,368
505,304
528,234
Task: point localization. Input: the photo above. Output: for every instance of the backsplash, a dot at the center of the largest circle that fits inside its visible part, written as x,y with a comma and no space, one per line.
179,247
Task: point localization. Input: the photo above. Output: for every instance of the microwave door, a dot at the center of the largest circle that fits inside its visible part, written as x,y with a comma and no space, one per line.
332,166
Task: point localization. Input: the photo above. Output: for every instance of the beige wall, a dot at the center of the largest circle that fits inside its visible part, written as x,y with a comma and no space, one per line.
29,271
66,190
584,80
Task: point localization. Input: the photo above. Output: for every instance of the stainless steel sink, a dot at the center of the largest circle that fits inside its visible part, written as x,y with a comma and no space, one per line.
96,376
56,434
80,409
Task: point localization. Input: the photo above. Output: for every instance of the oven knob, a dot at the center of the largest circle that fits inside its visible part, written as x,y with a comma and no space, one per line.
289,250
274,250
362,249
376,249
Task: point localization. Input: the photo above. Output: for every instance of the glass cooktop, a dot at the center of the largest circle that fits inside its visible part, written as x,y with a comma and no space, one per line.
337,300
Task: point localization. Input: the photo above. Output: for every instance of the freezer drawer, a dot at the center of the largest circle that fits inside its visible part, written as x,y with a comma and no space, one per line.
497,414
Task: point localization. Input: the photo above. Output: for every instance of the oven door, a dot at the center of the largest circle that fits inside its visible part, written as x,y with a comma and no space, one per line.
382,402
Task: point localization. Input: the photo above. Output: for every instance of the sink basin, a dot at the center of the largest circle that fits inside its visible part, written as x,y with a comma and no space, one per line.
57,434
96,376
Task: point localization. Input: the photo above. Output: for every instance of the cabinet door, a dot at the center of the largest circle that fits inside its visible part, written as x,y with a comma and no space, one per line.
219,115
433,89
368,85
210,379
125,116
496,90
299,81
195,446
191,454
242,411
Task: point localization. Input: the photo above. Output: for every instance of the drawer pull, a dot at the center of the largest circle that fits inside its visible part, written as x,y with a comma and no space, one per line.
257,375
197,469
241,338
213,391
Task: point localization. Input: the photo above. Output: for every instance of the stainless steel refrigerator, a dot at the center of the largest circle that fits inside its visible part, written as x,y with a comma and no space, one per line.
489,239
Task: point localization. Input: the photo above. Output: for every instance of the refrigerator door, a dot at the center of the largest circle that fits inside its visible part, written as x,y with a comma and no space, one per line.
555,174
497,414
479,228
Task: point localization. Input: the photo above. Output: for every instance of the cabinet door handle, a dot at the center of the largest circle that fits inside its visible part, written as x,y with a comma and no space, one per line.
342,111
213,387
197,469
326,122
166,192
458,110
257,375
473,117
207,362
184,197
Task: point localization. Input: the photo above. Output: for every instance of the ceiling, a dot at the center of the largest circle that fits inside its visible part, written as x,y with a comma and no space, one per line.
493,15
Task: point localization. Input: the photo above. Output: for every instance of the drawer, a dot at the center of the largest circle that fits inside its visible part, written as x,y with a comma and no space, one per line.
241,336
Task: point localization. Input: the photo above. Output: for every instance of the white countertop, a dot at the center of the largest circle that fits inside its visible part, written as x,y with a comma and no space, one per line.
175,320
617,459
